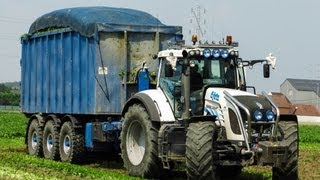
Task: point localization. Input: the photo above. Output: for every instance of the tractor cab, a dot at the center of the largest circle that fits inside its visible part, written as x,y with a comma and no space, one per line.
188,71
216,63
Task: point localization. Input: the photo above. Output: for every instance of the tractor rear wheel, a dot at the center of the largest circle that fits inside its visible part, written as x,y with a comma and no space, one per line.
139,143
199,150
288,170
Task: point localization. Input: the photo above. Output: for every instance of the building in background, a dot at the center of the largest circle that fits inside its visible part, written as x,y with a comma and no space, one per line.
303,93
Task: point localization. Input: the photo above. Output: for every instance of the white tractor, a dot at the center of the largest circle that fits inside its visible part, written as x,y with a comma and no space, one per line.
201,113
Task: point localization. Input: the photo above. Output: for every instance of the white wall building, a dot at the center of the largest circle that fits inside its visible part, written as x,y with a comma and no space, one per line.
302,91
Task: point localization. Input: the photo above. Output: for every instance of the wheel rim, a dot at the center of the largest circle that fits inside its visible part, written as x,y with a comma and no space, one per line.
49,142
66,144
34,140
135,143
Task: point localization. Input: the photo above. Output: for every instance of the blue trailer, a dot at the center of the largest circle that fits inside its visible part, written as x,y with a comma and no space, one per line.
79,67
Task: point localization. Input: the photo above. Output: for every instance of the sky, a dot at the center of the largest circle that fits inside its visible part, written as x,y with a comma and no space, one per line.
288,29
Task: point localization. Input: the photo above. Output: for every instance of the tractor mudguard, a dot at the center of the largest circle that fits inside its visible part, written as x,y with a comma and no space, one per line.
147,102
288,117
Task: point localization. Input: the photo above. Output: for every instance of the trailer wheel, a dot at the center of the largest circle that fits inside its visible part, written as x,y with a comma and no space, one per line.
139,145
71,144
199,150
34,138
51,141
288,170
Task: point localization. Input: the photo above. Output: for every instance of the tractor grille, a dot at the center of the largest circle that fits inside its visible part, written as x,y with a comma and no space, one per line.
234,122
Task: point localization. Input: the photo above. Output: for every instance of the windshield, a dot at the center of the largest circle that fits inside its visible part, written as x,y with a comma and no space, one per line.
216,73
219,73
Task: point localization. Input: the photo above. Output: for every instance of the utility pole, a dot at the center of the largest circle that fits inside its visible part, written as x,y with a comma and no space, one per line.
197,21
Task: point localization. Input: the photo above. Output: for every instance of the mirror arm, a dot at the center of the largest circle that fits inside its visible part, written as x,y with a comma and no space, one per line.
253,62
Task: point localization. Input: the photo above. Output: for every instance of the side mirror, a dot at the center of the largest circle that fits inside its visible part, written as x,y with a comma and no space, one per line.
168,70
266,70
184,53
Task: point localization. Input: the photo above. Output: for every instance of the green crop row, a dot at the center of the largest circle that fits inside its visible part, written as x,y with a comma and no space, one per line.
15,163
24,166
309,133
12,124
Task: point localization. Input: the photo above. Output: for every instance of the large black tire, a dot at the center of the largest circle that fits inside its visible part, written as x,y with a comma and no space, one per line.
199,150
288,170
71,144
51,141
139,145
34,139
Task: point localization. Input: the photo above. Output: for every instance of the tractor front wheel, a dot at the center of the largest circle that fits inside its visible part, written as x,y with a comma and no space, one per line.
288,170
201,137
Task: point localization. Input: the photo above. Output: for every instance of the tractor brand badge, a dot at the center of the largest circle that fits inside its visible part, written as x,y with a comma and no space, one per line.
214,96
259,105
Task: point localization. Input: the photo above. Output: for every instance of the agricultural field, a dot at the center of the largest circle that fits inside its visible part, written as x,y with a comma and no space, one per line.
15,163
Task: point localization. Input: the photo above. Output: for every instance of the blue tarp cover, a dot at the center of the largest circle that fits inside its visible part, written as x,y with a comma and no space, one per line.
90,20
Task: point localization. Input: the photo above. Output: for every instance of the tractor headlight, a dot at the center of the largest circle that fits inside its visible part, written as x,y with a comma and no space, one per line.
206,53
216,53
237,53
234,53
270,115
224,53
192,53
257,115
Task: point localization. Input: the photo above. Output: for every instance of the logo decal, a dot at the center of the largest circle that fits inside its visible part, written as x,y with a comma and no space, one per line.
102,70
214,96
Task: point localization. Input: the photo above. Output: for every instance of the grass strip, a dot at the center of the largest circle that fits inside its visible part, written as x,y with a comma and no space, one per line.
12,143
47,168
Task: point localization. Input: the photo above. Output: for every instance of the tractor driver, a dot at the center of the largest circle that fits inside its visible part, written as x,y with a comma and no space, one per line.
196,81
229,75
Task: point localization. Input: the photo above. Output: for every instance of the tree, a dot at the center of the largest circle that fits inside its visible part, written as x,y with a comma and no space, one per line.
8,97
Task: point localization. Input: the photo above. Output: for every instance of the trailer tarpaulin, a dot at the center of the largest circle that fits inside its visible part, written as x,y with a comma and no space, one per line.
90,20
